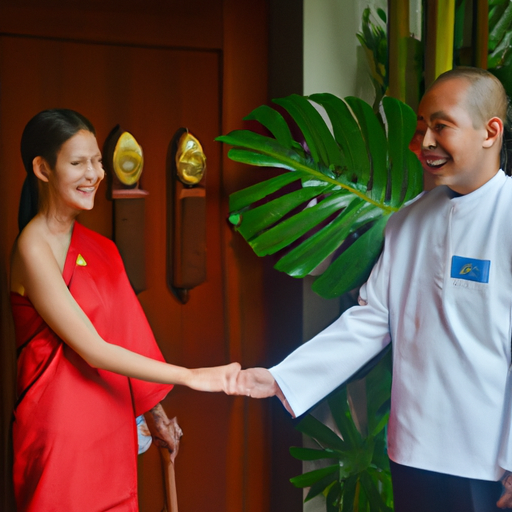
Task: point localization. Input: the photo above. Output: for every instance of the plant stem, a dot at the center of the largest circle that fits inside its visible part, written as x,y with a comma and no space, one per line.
398,32
440,34
356,496
480,33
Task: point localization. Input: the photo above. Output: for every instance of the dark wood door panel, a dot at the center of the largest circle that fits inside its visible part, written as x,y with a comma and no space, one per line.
191,23
154,66
151,92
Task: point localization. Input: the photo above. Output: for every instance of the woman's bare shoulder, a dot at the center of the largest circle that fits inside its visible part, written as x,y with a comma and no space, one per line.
31,251
30,241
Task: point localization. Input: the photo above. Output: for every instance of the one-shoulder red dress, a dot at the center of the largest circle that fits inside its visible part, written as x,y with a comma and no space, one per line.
74,432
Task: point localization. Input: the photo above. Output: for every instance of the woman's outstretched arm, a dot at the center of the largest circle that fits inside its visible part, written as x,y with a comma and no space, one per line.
39,273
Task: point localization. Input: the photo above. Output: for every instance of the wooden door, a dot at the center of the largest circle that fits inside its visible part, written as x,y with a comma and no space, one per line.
154,67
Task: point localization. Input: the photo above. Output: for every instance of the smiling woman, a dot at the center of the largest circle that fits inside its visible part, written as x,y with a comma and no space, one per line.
77,174
84,371
43,138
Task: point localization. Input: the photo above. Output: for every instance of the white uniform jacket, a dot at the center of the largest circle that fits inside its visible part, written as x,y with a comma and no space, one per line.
442,293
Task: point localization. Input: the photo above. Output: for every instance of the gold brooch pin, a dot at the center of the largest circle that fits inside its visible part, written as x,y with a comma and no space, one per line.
80,261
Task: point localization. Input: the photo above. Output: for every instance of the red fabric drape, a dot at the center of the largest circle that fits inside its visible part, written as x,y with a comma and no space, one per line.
74,426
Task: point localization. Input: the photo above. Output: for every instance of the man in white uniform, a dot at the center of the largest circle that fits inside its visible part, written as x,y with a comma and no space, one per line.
441,292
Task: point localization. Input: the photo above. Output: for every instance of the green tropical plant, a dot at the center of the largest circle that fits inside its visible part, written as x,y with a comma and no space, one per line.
496,43
357,176
406,55
350,169
332,205
373,38
500,42
500,33
357,476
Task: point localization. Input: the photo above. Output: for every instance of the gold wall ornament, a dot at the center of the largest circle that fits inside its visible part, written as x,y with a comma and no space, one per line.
190,160
186,215
123,162
128,160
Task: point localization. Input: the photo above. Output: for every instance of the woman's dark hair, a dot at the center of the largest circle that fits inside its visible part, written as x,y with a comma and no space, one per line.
43,136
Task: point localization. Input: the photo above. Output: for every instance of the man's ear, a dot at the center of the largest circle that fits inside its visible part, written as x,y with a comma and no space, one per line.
494,129
41,169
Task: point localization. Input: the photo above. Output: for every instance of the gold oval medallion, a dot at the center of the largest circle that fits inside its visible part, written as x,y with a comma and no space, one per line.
190,160
128,159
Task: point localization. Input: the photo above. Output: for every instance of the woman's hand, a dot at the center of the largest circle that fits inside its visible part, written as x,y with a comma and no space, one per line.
216,378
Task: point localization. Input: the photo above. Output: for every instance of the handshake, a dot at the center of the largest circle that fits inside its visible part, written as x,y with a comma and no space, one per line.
232,380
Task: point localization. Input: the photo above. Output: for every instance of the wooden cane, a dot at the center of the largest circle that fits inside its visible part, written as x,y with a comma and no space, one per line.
167,457
166,435
171,496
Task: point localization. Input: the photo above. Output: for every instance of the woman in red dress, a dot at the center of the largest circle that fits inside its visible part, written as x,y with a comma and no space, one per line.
88,363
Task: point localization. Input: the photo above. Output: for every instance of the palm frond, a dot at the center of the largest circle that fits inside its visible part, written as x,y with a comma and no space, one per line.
351,170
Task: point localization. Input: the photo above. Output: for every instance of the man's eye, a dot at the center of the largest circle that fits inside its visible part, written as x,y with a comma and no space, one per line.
75,163
439,127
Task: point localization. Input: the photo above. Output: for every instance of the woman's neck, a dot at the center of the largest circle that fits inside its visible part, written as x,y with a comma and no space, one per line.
56,223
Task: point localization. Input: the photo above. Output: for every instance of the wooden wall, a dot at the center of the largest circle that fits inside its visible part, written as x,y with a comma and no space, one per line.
154,67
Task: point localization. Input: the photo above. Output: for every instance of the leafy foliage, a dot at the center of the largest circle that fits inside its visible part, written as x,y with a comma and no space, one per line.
500,33
500,41
374,40
356,477
350,172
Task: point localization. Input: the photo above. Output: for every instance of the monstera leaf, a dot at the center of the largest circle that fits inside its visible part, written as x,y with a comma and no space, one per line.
351,170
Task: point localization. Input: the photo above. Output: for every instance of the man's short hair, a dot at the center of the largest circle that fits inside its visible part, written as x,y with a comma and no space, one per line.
486,96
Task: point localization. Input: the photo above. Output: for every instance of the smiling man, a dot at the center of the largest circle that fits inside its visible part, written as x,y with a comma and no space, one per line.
441,293
457,135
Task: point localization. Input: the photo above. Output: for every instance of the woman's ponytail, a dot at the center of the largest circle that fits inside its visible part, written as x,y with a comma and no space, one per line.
29,201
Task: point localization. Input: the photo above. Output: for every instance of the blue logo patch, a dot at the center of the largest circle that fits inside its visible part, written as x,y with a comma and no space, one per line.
470,269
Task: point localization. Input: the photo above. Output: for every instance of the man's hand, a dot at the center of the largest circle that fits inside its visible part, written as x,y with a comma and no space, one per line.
166,432
259,383
506,499
256,383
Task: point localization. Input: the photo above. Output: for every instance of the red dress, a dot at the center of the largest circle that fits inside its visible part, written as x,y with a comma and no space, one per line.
74,432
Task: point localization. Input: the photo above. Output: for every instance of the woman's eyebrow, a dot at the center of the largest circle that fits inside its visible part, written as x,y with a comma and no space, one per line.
77,156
